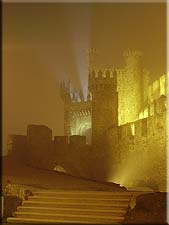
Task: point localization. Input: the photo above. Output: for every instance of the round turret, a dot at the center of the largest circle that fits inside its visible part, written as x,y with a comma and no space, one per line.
92,55
133,58
134,74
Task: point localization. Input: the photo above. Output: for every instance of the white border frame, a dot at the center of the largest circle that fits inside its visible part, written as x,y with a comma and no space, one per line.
167,53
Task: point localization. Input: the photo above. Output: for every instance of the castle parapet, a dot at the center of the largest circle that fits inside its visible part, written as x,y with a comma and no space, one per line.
101,72
41,132
79,109
102,79
132,53
61,140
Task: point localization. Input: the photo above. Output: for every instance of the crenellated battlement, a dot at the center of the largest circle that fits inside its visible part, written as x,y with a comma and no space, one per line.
132,53
102,79
121,72
82,108
103,72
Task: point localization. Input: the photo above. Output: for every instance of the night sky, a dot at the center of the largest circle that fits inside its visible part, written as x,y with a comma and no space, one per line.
46,43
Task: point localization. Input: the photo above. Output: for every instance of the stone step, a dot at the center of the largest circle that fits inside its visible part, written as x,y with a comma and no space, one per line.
87,218
77,200
81,194
78,207
90,205
87,211
49,221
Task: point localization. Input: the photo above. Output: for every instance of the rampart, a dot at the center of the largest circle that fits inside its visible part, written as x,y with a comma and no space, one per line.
138,152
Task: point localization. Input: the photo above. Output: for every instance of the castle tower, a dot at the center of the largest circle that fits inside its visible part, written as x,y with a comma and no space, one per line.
92,54
77,111
104,103
134,84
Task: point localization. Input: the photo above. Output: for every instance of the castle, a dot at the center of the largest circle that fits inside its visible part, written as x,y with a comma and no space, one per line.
125,115
116,96
123,120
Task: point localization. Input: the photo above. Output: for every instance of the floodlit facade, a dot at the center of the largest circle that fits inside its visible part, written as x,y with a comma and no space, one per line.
126,114
122,95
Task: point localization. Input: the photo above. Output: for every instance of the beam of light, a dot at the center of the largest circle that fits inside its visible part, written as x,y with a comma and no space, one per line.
129,171
81,43
76,23
62,61
140,166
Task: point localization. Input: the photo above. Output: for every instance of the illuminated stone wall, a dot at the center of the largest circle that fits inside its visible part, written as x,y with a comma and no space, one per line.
133,81
132,88
80,114
135,94
157,88
132,99
134,151
137,152
155,98
77,113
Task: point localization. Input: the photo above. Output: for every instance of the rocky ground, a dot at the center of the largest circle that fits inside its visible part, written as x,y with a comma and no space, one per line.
151,208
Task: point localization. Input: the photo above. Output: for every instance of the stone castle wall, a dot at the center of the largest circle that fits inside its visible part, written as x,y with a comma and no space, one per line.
137,152
128,96
39,144
132,154
157,89
133,149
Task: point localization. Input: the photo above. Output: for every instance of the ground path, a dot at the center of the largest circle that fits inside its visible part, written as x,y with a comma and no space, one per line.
46,179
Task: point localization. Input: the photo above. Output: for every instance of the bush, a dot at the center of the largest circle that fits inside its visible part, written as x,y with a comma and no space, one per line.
10,205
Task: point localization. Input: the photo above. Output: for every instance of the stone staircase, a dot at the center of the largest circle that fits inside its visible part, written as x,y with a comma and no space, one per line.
73,207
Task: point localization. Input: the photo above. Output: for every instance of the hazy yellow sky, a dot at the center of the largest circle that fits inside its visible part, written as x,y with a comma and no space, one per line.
45,43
